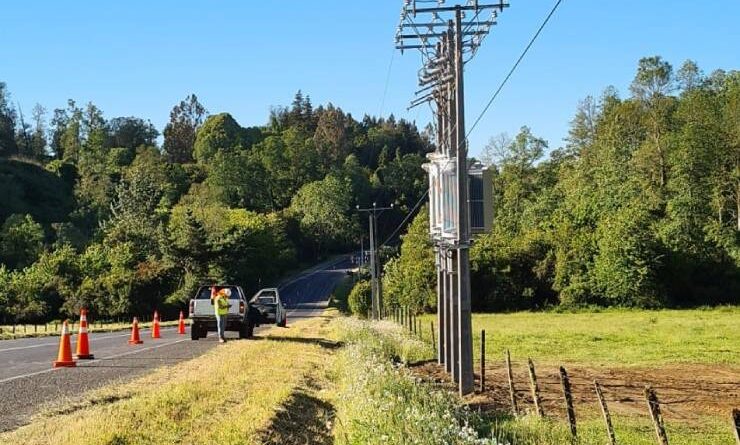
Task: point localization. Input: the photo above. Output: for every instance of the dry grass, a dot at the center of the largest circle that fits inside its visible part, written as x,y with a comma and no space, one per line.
229,395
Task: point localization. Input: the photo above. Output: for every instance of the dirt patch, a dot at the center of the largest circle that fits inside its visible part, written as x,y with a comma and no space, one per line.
685,391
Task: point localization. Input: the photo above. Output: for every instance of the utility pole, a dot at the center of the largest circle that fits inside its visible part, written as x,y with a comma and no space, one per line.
375,268
445,38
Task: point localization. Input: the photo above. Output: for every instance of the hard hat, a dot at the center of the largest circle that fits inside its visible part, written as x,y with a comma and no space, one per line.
227,292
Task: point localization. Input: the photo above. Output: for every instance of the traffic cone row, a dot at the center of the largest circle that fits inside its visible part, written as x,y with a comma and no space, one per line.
64,356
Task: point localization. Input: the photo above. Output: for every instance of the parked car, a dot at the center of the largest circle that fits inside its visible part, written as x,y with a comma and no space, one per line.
270,308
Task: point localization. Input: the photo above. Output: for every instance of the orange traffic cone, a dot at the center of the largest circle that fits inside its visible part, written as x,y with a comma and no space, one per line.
135,339
64,358
83,344
155,326
181,324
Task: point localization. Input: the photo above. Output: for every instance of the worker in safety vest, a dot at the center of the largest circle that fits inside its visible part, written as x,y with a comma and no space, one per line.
221,307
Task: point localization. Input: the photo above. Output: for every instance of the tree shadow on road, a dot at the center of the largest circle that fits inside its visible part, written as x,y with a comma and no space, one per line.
303,420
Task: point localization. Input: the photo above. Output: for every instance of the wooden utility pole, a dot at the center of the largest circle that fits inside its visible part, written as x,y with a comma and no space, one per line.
375,269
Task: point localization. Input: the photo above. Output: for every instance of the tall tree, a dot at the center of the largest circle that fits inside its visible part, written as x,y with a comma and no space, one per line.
7,123
179,134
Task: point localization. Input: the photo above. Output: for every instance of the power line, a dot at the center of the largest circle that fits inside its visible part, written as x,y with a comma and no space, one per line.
413,210
387,83
495,94
513,68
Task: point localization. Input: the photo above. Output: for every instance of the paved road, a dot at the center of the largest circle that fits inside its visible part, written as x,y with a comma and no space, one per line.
27,380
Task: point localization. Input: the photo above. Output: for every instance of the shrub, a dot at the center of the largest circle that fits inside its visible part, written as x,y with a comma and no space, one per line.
360,298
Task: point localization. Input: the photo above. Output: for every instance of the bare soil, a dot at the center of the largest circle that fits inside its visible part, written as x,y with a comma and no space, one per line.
685,391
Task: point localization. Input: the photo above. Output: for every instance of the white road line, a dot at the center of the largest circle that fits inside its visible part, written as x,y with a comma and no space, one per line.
136,351
92,339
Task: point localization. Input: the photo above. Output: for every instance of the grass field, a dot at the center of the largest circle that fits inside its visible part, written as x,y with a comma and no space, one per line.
230,395
691,357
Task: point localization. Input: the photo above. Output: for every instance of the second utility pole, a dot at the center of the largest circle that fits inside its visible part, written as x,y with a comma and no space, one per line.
375,269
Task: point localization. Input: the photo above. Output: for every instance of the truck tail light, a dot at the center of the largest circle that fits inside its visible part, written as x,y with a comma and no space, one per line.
192,308
241,307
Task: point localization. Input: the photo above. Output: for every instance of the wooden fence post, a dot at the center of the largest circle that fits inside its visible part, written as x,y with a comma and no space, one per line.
434,343
657,418
736,423
565,383
605,412
535,389
482,360
512,391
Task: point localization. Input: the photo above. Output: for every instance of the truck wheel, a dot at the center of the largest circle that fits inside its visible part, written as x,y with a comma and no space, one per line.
243,331
281,324
194,332
246,330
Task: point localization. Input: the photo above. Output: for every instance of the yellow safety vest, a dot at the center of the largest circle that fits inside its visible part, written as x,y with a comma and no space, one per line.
221,304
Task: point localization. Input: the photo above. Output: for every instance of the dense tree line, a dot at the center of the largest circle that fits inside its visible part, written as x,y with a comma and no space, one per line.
641,207
95,213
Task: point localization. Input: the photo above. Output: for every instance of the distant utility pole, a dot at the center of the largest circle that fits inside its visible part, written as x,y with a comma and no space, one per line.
447,39
375,266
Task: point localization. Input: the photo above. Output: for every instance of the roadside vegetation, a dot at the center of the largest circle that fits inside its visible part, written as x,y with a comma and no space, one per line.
229,395
378,401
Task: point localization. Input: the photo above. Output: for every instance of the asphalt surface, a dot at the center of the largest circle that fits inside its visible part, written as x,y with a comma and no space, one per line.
27,381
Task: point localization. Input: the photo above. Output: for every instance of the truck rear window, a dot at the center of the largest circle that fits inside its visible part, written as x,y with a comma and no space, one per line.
205,293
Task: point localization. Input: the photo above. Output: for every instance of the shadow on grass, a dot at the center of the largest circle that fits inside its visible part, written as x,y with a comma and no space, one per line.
324,343
302,420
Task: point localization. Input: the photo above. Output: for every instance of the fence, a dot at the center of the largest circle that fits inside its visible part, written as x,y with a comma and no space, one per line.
525,388
55,328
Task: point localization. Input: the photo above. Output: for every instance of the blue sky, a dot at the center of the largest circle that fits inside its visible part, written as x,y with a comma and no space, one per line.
243,56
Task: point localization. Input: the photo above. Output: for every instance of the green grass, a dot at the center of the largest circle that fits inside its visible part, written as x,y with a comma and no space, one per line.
229,395
629,430
624,338
656,344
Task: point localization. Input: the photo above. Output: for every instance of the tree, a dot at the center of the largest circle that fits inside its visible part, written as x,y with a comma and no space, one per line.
322,209
38,137
654,78
331,137
409,279
131,132
219,132
179,134
21,241
7,123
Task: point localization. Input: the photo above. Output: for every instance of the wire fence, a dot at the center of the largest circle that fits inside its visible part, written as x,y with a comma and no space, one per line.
516,388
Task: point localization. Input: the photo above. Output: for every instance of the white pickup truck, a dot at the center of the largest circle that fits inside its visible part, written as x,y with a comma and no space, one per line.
244,315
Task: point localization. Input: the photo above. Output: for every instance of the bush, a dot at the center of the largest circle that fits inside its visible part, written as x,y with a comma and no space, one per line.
360,298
